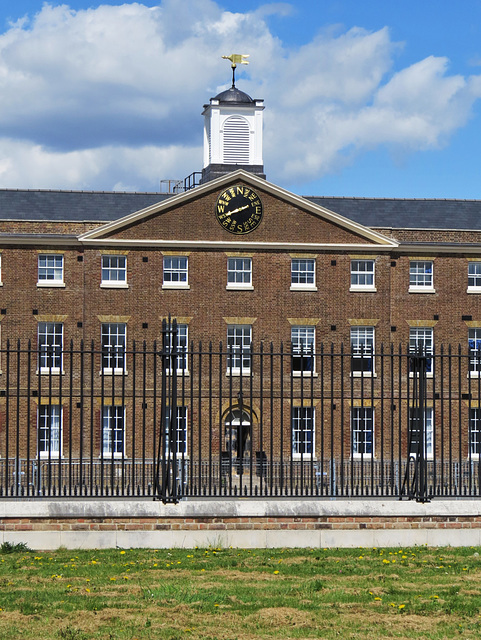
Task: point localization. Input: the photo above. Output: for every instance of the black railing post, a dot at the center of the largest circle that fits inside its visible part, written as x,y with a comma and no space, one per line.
416,476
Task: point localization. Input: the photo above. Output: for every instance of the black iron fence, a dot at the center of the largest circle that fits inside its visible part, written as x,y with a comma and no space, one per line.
171,422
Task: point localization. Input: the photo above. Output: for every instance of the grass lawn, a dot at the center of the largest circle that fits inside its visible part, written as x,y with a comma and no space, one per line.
240,594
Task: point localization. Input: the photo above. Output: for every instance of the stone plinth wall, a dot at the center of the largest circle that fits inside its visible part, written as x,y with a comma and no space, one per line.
49,524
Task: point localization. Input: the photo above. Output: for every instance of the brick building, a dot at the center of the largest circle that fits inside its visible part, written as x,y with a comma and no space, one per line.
240,264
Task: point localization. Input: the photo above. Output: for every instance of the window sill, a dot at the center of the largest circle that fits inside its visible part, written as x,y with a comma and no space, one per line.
304,374
50,456
421,290
363,374
113,285
473,290
363,456
175,285
295,287
428,457
58,285
115,456
179,457
47,371
180,373
239,287
363,289
115,372
237,373
304,457
429,374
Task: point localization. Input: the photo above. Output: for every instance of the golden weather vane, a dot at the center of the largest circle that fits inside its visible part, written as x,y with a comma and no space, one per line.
236,58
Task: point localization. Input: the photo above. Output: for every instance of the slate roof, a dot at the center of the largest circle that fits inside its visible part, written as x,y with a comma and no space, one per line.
72,206
406,213
107,206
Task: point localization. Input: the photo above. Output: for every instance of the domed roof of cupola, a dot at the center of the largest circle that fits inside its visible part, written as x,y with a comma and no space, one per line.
234,95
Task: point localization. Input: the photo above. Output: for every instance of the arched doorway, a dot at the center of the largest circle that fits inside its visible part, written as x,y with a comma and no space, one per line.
237,433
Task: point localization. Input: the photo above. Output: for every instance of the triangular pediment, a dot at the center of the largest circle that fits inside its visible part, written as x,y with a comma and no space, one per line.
201,217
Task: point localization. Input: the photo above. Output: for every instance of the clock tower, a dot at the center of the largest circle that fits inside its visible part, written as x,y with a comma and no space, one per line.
232,134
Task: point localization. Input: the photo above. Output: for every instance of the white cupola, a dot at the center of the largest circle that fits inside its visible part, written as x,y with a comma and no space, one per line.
232,134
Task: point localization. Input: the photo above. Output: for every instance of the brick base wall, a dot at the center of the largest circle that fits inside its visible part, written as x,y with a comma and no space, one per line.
239,524
52,523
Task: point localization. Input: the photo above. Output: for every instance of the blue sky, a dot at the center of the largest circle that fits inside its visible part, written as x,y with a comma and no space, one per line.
372,98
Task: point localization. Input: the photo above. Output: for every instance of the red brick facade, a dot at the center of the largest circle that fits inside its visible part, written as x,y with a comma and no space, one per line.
291,229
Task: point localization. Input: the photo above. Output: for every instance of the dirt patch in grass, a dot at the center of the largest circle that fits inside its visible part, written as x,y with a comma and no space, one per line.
283,617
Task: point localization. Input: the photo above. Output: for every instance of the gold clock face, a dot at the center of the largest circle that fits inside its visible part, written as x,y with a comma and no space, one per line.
239,210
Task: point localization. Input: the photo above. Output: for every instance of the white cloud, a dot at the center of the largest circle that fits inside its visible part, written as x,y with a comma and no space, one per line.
111,96
25,165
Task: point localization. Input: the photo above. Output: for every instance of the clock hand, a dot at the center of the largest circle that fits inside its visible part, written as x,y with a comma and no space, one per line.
239,209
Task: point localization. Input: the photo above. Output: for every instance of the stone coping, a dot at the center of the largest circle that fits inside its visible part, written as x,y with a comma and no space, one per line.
235,508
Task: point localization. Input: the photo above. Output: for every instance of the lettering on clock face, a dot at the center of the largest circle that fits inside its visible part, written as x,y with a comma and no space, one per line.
239,210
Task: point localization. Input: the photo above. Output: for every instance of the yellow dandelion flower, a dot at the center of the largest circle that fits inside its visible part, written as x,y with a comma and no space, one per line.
276,572
401,606
122,552
377,598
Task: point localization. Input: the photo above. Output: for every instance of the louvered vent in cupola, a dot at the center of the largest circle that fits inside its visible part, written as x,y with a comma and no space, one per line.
236,140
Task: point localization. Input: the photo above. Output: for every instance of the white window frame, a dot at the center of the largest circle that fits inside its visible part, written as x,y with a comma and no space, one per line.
181,432
112,445
474,277
113,273
239,341
474,350
362,432
474,432
363,274
49,420
50,347
50,270
421,339
428,426
303,341
303,274
421,276
113,338
303,428
239,273
362,350
182,346
175,272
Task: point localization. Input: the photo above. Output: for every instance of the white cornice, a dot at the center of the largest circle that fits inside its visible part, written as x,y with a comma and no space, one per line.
430,247
18,238
224,245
